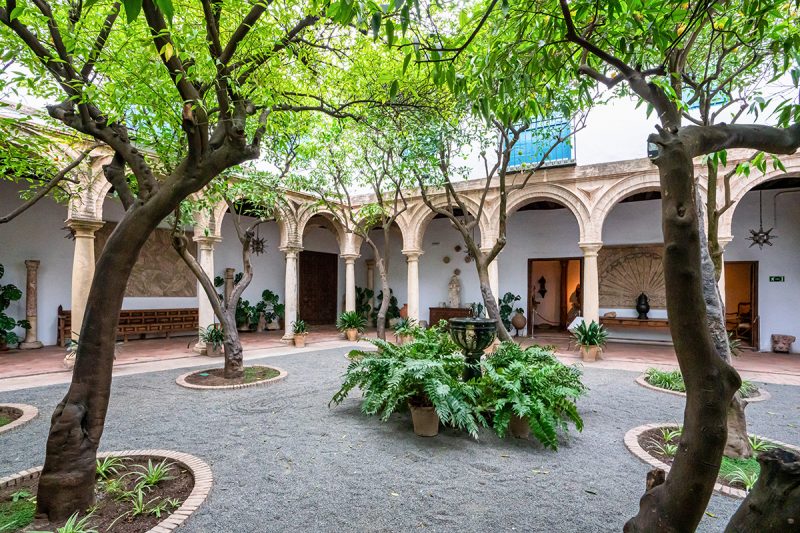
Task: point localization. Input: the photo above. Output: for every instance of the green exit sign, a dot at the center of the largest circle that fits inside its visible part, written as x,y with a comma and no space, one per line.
777,278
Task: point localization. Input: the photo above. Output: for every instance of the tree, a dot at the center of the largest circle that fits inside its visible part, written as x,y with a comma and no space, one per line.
178,108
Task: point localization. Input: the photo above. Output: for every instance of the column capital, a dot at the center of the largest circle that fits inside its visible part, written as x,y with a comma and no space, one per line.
370,263
291,251
32,264
590,248
350,258
412,254
724,240
207,240
84,227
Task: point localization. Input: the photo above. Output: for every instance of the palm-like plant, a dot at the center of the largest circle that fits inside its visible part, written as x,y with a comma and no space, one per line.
531,384
351,320
423,373
591,334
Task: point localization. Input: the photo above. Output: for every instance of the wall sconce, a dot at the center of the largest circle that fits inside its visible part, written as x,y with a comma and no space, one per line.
542,288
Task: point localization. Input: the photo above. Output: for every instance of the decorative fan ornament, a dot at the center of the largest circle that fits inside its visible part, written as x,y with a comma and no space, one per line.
628,275
761,237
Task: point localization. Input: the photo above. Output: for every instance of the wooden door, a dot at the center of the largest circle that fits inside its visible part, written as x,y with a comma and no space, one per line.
318,284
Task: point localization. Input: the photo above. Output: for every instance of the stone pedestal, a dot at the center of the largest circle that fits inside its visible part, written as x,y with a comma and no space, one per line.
31,341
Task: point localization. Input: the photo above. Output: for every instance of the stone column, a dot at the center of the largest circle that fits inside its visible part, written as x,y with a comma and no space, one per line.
82,268
31,341
590,288
350,282
290,290
412,260
370,274
229,274
205,313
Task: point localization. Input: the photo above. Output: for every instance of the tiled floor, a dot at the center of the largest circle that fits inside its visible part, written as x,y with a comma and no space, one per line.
155,354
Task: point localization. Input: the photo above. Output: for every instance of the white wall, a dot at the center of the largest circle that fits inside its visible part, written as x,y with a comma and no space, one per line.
777,302
36,234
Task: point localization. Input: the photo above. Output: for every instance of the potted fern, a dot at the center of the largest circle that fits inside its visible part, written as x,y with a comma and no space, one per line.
300,330
351,323
213,337
423,376
591,338
524,391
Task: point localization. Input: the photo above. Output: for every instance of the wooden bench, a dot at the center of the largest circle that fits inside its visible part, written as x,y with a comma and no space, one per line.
635,322
139,322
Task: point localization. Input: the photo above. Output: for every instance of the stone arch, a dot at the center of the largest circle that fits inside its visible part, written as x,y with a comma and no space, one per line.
415,220
331,221
561,195
742,186
212,221
618,192
90,193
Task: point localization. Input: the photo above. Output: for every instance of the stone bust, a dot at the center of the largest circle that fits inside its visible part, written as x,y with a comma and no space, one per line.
454,289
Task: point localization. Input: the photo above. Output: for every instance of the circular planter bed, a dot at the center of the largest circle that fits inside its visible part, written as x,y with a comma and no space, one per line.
213,378
652,443
132,495
14,415
756,395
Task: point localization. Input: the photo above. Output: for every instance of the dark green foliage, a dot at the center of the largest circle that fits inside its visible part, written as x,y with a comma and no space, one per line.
213,335
392,312
591,334
406,327
351,320
270,306
424,372
364,298
299,327
534,385
673,380
9,293
506,304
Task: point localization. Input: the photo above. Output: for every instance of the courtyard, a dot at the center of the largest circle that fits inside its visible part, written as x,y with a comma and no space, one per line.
283,461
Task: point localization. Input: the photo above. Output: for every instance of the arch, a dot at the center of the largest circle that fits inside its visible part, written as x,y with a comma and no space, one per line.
560,195
90,193
741,187
331,221
415,220
212,220
618,192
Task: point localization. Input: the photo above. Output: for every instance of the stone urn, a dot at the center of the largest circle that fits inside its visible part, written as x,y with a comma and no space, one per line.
519,321
425,420
642,306
473,336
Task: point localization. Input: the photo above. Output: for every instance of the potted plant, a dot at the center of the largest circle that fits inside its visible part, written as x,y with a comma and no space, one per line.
591,338
300,330
351,324
422,376
524,391
214,337
9,293
506,305
271,309
405,329
245,314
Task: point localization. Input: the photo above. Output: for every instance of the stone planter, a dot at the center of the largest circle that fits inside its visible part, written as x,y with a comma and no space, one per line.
473,336
519,427
300,341
215,350
591,353
351,334
426,421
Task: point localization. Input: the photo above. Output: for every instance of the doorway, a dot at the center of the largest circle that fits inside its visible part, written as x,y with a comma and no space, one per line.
741,301
554,295
318,287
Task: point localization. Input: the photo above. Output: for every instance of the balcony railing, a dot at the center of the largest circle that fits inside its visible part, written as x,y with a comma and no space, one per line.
537,140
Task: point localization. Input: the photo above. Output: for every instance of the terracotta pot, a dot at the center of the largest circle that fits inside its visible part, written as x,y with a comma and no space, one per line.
519,427
519,321
300,341
404,311
426,421
352,334
215,350
591,353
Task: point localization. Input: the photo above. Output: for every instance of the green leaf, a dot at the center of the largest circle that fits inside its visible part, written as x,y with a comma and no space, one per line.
390,32
376,24
132,9
166,7
393,89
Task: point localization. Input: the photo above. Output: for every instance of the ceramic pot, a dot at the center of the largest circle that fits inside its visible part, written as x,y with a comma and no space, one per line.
642,306
215,350
591,353
519,321
300,341
352,334
404,311
519,427
426,421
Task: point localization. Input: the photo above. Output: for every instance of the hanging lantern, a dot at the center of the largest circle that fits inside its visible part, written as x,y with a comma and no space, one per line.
761,237
257,244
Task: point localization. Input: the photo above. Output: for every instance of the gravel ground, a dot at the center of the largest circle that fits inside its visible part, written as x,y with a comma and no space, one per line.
283,461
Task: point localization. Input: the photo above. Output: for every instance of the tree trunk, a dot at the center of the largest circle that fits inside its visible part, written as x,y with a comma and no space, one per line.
678,504
387,296
490,301
773,505
67,481
234,364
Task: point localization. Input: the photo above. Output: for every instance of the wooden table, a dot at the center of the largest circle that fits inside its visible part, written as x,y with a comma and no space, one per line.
435,314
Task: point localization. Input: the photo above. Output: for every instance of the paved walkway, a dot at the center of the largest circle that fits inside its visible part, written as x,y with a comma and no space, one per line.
283,461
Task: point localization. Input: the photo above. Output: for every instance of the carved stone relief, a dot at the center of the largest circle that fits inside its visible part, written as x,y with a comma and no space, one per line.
627,271
159,270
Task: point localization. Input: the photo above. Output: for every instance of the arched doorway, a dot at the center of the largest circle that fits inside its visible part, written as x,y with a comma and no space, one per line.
320,282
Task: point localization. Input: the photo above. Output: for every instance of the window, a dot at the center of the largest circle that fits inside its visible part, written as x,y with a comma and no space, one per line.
537,140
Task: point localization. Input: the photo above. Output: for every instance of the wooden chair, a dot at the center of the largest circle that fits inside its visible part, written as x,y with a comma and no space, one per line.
742,322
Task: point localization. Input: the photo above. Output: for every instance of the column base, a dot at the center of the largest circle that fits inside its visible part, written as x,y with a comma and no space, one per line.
200,348
35,345
289,338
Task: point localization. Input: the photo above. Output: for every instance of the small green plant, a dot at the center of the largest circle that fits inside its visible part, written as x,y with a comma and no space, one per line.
406,327
22,495
115,488
742,476
153,474
734,344
760,445
9,293
364,298
671,434
351,320
748,389
673,380
76,525
246,314
109,466
392,312
506,306
270,306
299,327
139,507
591,334
213,335
667,449
163,507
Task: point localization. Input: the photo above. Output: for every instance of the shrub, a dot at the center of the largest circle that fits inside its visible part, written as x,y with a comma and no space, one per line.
591,334
351,320
299,327
212,335
406,327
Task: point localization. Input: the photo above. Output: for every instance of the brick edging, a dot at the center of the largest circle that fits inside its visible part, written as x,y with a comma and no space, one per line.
632,443
29,412
181,380
763,394
201,472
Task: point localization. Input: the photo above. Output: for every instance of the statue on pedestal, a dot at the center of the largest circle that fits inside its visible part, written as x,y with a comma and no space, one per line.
454,289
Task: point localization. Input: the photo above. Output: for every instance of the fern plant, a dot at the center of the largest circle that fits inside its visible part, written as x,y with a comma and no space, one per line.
534,385
423,373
